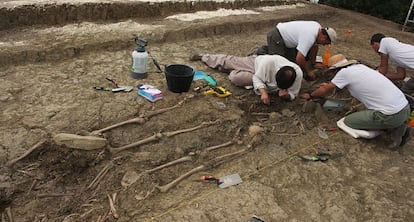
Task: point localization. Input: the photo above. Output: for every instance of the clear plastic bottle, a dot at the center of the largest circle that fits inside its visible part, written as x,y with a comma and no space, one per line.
139,63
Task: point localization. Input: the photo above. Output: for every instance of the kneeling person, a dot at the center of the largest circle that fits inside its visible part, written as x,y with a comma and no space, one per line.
266,73
387,107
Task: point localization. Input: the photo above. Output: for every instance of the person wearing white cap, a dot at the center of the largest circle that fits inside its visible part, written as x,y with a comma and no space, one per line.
298,41
386,106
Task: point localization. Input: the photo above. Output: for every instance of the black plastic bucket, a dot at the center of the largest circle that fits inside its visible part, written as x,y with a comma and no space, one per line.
179,77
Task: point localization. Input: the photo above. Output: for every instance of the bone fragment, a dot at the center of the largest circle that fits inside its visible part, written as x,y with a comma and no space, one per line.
174,183
32,186
156,112
139,120
160,135
260,114
301,126
138,143
204,124
9,214
212,163
87,213
211,148
29,151
129,178
159,111
43,195
180,160
67,218
226,157
112,206
100,175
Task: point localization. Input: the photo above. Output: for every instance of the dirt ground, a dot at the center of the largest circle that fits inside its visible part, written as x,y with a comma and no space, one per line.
48,74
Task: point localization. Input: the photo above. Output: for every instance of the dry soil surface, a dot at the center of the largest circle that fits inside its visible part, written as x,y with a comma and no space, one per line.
48,74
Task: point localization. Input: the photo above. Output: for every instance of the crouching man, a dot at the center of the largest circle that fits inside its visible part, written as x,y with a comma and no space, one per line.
268,74
387,107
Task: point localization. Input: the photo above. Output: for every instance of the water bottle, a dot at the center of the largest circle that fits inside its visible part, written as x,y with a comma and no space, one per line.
139,60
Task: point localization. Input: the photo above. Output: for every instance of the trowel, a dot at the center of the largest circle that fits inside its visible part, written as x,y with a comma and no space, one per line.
225,181
230,180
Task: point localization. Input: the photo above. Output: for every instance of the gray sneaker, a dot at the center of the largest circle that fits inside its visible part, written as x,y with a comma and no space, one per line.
397,135
407,136
195,56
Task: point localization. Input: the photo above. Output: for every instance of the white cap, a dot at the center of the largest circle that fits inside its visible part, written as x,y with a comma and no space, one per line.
331,33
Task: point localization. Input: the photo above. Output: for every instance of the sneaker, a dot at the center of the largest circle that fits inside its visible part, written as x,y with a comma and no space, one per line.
195,56
407,136
397,135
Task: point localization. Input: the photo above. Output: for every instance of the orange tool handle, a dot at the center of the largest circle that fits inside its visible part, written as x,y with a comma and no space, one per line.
209,178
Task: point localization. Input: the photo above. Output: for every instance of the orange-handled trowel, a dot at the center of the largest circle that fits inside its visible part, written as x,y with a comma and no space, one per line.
225,181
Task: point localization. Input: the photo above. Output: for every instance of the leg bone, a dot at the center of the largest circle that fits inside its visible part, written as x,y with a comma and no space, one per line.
211,148
204,124
139,120
182,159
172,184
138,143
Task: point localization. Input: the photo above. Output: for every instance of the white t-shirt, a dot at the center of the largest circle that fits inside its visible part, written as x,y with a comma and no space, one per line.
266,67
299,34
371,88
400,53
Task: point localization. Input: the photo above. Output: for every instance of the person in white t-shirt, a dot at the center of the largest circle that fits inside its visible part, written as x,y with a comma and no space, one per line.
387,107
299,42
401,54
266,73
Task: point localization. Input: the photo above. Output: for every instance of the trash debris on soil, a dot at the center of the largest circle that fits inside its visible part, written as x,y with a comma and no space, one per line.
322,133
149,92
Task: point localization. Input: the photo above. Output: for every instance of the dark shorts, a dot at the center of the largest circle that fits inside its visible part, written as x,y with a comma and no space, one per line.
276,46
